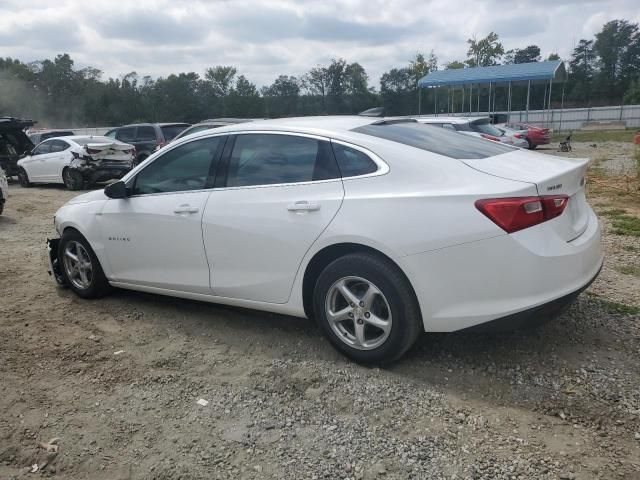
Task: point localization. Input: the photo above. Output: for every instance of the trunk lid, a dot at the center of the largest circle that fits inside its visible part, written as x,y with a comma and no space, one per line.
552,176
116,151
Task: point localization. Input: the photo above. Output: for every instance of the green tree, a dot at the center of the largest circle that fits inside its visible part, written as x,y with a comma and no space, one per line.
553,56
454,65
523,55
281,97
485,51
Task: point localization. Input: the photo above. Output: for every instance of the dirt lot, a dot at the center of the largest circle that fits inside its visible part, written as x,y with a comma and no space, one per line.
562,401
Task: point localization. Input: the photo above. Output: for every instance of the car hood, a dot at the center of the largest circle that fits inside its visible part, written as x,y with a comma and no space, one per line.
88,197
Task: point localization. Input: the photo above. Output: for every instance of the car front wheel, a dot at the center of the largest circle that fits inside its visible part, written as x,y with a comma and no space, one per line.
72,179
80,266
367,308
23,178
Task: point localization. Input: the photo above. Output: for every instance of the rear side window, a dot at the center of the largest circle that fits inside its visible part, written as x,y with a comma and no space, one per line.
169,132
58,146
267,159
127,134
186,167
353,162
44,147
435,139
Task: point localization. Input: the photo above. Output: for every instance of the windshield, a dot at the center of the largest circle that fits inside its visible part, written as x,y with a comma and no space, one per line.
483,126
171,131
435,139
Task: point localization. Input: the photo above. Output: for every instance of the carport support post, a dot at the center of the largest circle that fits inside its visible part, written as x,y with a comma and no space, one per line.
435,101
489,104
549,103
462,107
528,94
479,99
509,105
561,108
419,99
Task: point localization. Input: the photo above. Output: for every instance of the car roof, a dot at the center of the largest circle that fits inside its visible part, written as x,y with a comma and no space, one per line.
449,119
168,124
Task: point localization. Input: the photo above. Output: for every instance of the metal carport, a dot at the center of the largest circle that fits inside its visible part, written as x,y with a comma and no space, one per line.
548,72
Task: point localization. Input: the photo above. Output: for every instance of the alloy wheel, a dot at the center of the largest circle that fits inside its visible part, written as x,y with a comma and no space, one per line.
358,313
77,265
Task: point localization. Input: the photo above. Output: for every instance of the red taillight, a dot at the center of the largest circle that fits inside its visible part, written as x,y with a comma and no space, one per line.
489,137
517,135
517,213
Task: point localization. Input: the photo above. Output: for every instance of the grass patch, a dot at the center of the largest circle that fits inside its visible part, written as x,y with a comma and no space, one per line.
629,270
630,248
613,213
620,308
626,225
595,136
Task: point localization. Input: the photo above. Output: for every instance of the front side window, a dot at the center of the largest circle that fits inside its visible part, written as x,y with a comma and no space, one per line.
353,162
44,147
127,134
187,167
269,159
111,134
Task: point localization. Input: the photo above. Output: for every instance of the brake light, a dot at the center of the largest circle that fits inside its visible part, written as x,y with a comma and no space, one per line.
517,135
489,137
517,213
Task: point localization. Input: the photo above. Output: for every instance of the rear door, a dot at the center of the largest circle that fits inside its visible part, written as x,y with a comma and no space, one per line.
552,176
278,193
146,139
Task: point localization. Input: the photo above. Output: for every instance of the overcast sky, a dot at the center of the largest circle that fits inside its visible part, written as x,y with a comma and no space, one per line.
271,37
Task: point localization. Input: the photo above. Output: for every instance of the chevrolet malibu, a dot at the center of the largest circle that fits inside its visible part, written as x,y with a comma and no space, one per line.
379,229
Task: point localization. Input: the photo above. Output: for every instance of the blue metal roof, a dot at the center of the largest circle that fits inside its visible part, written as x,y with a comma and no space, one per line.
516,72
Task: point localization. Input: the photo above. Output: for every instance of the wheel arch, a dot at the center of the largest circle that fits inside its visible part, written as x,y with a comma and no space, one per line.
328,254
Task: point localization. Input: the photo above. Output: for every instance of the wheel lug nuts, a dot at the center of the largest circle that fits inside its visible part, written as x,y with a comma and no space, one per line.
362,304
360,321
351,314
352,305
367,315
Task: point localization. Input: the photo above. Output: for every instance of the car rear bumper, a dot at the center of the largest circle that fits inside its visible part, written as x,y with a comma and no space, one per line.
470,284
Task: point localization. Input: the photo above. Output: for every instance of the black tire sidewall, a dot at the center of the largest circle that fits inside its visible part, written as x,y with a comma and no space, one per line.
23,178
405,312
99,284
75,179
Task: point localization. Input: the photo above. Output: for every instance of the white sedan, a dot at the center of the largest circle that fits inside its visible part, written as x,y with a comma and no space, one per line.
379,229
4,189
76,161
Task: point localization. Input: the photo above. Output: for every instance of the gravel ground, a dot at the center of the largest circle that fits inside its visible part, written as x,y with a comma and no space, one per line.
558,402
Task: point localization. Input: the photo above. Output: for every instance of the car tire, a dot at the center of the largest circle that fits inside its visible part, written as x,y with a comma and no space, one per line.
1,205
394,305
72,179
23,178
84,275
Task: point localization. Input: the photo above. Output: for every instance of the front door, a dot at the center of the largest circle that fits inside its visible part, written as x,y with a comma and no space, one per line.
34,164
281,192
154,237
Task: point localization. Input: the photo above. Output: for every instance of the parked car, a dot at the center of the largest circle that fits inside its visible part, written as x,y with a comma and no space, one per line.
518,137
76,161
379,229
4,190
146,137
13,143
535,135
207,125
473,126
37,136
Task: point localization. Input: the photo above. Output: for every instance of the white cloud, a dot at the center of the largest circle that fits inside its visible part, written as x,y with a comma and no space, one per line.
267,38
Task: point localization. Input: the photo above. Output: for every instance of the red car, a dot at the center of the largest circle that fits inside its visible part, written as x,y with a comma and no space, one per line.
535,135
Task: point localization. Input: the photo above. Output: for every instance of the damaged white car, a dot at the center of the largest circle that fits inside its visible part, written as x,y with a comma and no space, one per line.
4,190
76,161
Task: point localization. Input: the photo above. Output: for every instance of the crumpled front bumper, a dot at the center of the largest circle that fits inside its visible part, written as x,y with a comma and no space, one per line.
55,268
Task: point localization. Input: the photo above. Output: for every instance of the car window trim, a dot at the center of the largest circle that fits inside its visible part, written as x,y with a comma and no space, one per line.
209,184
383,168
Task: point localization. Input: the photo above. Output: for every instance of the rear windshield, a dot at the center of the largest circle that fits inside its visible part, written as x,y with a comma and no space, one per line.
435,139
170,131
85,140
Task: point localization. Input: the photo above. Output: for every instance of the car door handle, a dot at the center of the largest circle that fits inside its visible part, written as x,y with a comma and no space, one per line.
304,206
186,209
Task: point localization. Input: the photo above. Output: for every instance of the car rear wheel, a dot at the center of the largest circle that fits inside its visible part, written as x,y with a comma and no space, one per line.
367,308
80,266
72,179
23,178
531,146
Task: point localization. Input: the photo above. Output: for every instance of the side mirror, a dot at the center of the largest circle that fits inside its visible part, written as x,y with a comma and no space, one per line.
27,152
116,190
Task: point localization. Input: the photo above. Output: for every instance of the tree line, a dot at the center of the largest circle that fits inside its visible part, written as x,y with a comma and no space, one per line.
604,70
